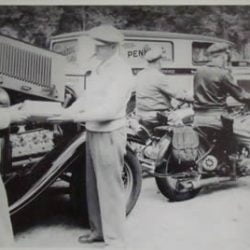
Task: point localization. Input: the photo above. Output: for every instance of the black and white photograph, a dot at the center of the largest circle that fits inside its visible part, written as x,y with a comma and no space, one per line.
125,126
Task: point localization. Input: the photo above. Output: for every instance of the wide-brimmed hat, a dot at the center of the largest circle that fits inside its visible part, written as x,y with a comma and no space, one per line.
153,54
106,34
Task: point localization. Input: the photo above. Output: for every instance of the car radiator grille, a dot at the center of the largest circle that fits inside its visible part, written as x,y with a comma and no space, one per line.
25,65
30,69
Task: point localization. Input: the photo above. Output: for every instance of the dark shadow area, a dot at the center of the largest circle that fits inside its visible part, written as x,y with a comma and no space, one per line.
51,208
212,189
220,187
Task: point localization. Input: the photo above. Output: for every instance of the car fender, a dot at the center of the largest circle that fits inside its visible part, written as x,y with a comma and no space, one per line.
48,169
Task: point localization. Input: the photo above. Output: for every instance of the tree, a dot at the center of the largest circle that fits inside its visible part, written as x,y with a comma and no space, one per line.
36,24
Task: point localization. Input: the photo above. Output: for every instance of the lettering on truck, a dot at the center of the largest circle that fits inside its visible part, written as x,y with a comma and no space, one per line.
136,53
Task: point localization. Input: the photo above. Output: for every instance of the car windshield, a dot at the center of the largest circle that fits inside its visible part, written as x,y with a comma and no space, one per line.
199,56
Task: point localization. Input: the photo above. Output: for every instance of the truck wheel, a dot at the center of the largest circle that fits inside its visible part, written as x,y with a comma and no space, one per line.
132,178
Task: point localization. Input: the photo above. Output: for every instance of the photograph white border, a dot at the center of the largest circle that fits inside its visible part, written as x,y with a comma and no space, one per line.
114,3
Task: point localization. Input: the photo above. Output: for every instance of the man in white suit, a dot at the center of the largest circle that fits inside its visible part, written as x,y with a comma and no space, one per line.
103,108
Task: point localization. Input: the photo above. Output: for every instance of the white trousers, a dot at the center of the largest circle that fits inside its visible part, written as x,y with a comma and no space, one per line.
105,189
6,233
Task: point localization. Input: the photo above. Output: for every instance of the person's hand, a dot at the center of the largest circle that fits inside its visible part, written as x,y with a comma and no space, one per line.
18,116
174,118
16,107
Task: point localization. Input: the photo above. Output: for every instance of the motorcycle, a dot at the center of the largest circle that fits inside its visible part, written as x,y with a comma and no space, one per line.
206,159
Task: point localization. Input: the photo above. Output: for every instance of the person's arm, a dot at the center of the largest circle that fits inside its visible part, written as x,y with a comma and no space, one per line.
183,96
12,114
77,106
117,96
234,90
16,114
69,114
5,118
178,95
102,113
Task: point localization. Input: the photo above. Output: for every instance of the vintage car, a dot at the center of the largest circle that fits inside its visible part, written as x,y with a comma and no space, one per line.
37,153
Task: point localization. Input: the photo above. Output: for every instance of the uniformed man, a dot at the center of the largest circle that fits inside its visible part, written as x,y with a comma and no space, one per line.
8,115
153,91
103,108
212,85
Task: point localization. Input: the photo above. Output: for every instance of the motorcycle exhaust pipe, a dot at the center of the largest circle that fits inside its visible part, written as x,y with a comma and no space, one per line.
206,182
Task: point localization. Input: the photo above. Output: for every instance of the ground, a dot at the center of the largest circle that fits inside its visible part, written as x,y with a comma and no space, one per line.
218,219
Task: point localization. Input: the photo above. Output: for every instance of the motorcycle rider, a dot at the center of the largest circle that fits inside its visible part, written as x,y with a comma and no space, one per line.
212,85
153,91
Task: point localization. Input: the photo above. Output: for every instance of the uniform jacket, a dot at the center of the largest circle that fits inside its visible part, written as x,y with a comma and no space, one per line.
212,85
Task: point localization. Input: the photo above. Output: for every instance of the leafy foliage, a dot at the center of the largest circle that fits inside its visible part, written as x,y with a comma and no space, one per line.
36,24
